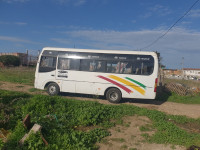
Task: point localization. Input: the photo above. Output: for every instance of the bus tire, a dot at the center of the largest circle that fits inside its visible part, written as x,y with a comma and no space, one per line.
53,89
113,95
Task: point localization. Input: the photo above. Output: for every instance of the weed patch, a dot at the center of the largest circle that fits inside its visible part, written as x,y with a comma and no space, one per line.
33,90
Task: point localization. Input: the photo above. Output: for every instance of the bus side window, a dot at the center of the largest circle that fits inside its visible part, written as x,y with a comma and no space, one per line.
74,64
137,67
85,65
92,66
148,68
143,67
63,63
100,66
125,67
47,64
113,66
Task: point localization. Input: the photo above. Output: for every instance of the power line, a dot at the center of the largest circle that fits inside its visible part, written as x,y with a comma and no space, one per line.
160,37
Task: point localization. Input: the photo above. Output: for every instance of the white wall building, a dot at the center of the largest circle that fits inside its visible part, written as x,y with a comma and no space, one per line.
191,72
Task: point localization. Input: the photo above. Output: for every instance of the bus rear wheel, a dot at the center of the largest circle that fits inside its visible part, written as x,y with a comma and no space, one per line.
113,95
53,89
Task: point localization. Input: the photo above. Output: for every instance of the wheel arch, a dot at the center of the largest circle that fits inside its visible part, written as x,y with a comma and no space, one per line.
46,85
111,88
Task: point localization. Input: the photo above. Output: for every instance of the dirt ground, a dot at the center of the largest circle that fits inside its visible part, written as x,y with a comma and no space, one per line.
129,136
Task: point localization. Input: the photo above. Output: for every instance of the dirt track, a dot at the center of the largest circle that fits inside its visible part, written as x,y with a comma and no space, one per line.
190,110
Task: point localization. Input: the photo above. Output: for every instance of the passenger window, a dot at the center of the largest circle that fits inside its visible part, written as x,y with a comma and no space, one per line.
63,63
113,67
125,67
47,64
100,66
85,65
74,64
68,64
143,67
92,65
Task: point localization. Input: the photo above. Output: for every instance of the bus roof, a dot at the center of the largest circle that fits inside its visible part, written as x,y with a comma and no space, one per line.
100,51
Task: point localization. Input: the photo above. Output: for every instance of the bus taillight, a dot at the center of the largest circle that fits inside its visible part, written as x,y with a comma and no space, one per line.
155,87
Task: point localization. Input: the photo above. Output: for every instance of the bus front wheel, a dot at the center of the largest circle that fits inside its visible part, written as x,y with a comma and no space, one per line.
53,89
113,95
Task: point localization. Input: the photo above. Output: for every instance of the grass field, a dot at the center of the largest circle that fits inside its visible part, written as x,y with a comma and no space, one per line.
173,97
63,120
23,75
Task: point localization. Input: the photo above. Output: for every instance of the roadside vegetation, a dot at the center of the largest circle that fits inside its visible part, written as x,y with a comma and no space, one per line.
173,97
9,60
72,124
22,75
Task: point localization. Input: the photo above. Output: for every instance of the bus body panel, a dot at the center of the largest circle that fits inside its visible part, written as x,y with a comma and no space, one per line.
67,79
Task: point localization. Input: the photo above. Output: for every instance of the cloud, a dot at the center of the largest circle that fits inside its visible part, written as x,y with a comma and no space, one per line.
16,39
194,13
15,1
156,10
13,23
59,40
72,2
179,39
161,10
79,2
20,23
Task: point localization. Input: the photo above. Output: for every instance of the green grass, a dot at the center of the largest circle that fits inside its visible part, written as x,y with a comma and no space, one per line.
33,90
60,117
21,75
147,127
173,97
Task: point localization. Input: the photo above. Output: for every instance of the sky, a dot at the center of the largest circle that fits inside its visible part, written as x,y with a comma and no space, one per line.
104,24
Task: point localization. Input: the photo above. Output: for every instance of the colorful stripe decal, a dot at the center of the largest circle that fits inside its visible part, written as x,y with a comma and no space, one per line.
117,84
137,88
142,85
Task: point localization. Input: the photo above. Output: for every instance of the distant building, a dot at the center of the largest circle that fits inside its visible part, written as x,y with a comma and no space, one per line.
172,72
191,72
23,57
186,73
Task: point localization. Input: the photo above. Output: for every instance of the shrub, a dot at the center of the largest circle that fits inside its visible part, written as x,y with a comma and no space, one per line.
9,60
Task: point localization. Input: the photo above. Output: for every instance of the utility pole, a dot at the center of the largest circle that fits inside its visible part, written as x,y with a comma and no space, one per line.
27,57
182,64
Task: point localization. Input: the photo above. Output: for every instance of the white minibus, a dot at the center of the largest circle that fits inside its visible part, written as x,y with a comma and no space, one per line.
111,73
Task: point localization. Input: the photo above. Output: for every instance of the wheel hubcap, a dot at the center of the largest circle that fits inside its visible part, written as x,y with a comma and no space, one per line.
113,96
52,89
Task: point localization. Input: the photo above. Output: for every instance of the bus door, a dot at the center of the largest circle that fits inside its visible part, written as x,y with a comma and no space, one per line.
65,74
